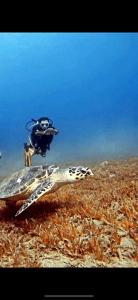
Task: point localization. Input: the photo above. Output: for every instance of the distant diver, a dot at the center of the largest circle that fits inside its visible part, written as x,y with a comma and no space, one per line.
42,133
0,155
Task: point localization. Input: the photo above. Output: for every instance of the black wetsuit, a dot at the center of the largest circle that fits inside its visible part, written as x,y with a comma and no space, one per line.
41,142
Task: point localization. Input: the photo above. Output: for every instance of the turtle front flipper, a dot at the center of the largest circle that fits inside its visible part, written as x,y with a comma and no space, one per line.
45,187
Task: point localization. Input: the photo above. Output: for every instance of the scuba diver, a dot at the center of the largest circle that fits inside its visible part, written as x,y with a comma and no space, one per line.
42,133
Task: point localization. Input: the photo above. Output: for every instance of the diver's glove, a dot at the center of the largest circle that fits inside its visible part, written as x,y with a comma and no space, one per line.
56,131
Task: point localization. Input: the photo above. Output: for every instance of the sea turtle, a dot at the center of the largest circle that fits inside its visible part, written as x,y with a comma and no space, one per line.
33,182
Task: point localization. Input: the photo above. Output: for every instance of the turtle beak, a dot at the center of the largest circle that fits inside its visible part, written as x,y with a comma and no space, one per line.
90,173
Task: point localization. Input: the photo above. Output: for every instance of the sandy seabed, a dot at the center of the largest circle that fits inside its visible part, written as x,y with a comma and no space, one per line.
92,223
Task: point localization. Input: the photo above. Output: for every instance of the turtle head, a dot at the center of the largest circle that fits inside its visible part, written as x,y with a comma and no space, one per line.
79,173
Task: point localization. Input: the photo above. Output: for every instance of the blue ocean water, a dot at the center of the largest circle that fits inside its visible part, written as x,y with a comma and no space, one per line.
87,83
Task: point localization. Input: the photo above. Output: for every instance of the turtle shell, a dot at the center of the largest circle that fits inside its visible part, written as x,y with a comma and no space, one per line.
21,183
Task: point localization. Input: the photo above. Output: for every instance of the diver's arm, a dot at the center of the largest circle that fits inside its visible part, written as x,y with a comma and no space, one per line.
56,131
38,132
47,131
